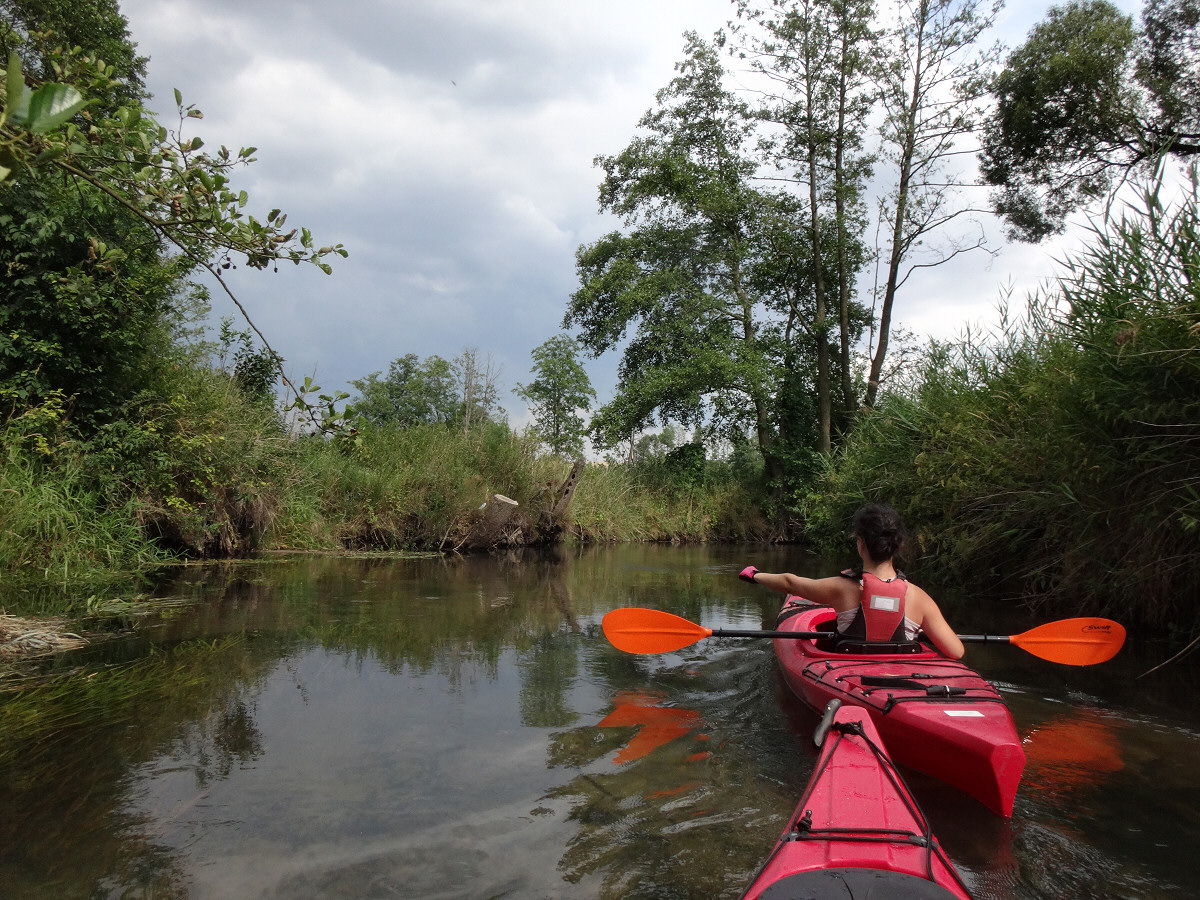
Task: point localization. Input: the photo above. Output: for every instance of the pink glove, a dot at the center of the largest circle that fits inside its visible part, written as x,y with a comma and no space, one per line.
748,573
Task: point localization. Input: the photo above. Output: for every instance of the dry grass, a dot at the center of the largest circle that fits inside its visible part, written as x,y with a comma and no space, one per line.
26,638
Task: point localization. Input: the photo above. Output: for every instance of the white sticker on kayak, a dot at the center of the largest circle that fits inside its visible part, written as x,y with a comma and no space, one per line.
887,604
965,713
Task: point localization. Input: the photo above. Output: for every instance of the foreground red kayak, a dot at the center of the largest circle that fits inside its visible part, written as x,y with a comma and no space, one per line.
857,833
934,714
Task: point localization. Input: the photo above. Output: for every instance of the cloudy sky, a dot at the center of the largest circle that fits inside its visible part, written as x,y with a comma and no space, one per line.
448,144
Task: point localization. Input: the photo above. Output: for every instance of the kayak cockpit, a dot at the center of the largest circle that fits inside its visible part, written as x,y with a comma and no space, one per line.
839,643
854,884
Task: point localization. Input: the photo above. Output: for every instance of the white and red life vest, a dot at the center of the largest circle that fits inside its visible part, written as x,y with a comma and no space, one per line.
880,613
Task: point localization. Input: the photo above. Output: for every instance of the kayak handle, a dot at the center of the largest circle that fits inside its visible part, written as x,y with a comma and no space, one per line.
826,721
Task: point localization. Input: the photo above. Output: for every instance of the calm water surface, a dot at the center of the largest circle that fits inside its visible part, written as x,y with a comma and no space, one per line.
429,728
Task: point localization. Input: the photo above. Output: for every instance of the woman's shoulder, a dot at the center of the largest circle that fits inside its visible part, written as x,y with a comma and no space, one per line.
918,598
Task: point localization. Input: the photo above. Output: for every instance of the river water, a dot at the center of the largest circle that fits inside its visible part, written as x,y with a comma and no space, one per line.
330,727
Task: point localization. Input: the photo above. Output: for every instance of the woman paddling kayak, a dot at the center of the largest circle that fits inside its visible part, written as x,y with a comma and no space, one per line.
875,603
935,715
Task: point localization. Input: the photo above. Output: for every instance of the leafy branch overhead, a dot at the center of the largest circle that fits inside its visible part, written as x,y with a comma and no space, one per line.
1087,100
165,178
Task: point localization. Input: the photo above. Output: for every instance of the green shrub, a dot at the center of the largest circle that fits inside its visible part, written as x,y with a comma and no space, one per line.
54,523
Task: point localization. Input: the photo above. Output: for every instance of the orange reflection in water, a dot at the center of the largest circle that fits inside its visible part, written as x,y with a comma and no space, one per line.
674,792
658,724
1072,752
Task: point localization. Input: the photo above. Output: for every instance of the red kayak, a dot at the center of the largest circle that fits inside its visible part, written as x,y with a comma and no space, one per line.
935,714
857,832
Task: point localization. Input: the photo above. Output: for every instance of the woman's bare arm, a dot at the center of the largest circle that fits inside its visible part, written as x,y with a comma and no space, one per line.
826,591
934,624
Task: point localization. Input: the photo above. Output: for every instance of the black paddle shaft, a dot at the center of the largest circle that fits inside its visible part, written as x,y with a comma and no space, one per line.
735,632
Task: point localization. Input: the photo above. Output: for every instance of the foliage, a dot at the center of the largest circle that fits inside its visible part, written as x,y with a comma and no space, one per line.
420,487
1057,460
162,176
415,392
255,370
56,523
200,461
707,259
94,199
818,55
560,389
96,25
80,316
1169,64
1087,98
680,497
461,393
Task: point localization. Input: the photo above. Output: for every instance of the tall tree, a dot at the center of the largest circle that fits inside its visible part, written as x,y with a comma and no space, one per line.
1087,99
97,26
478,394
817,53
560,390
690,277
414,392
931,87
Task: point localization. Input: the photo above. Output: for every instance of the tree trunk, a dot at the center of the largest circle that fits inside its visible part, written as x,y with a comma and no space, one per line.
490,528
567,490
908,152
820,312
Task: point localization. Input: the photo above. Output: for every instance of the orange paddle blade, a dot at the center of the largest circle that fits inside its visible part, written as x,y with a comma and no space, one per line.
1073,642
650,630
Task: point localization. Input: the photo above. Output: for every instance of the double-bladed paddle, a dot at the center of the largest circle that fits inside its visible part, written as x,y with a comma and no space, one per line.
1072,642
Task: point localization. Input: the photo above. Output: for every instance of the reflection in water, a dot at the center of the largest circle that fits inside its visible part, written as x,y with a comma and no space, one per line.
549,668
1072,752
656,725
327,727
670,799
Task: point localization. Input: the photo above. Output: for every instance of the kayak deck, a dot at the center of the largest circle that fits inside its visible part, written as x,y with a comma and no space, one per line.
935,715
857,832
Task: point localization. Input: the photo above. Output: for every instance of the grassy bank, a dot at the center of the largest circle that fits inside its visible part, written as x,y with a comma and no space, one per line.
200,471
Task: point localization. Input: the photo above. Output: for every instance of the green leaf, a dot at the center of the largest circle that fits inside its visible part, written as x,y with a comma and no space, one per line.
18,94
51,105
178,97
